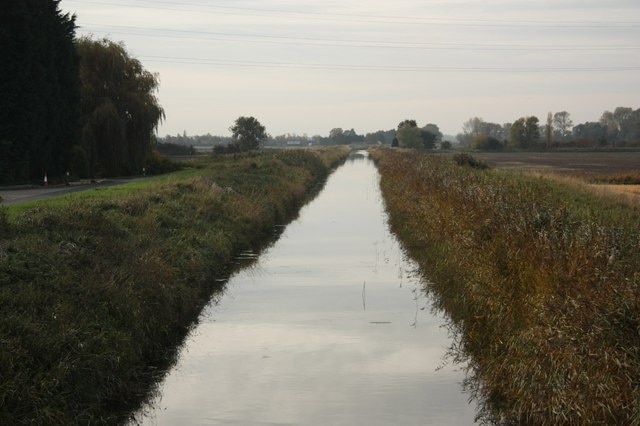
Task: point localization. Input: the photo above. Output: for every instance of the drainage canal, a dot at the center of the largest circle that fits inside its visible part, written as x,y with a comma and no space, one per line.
328,326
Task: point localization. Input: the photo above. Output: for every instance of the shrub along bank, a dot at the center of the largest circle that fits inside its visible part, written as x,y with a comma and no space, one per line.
98,289
540,280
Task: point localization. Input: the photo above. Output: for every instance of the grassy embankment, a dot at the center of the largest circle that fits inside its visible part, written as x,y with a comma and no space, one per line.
541,281
97,289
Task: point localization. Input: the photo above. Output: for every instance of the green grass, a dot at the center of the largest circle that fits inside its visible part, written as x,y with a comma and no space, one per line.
124,189
541,283
98,289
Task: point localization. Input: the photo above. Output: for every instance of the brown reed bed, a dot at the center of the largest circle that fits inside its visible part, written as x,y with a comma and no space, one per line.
541,281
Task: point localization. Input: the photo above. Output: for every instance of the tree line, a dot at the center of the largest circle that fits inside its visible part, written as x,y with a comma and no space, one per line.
406,134
424,137
617,128
68,104
196,140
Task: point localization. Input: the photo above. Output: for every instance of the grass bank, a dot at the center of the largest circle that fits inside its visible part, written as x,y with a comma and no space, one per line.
98,289
541,281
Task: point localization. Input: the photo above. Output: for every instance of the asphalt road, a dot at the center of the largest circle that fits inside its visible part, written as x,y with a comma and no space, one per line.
21,194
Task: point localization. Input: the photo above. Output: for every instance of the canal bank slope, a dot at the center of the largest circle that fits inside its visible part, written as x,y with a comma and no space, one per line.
98,289
541,282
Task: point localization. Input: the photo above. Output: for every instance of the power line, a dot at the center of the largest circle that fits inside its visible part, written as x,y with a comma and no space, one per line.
380,68
317,41
236,10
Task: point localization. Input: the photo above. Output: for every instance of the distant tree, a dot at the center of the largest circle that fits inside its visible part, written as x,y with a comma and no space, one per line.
381,136
486,143
464,139
524,132
428,139
39,89
532,131
505,132
517,133
336,136
409,135
562,124
622,124
247,132
634,131
435,130
409,123
445,145
476,126
352,137
120,111
473,126
548,130
591,133
495,130
375,137
395,143
624,119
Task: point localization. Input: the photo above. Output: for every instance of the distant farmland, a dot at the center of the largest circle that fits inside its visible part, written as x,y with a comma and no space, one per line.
564,162
603,172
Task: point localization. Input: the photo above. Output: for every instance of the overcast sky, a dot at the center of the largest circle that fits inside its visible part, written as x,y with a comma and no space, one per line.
306,66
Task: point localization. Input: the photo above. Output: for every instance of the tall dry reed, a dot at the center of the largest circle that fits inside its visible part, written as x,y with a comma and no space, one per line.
541,281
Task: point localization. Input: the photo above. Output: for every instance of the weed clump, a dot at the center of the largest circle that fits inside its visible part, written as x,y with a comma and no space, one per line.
467,160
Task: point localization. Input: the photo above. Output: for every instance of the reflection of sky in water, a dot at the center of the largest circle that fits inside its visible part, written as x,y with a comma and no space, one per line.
292,343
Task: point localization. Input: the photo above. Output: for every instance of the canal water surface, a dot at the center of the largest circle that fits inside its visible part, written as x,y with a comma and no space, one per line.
328,327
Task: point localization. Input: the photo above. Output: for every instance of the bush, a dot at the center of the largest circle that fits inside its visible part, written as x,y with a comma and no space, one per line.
467,160
175,149
159,164
486,143
231,148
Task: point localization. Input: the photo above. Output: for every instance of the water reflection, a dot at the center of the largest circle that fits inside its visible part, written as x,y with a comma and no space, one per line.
329,326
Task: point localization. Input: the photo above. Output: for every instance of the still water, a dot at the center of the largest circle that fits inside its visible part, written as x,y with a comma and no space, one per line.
328,327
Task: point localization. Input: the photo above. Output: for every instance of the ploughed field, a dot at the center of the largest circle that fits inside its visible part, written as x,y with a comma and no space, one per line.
614,172
564,162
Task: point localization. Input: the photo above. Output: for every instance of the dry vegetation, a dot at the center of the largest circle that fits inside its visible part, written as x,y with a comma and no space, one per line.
540,280
604,173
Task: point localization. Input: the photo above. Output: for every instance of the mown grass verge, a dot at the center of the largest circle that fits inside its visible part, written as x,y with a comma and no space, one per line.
541,282
98,289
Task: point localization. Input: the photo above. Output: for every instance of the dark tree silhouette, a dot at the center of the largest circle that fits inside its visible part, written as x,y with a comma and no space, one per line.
39,89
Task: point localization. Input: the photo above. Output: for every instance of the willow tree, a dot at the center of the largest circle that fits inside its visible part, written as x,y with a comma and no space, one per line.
39,89
120,111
